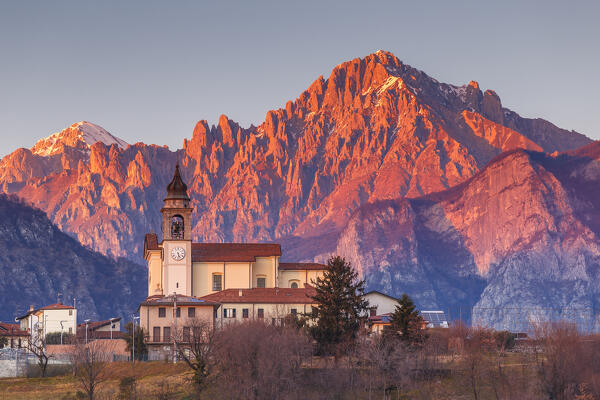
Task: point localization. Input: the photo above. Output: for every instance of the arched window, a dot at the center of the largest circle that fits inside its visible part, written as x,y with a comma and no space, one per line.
294,284
177,227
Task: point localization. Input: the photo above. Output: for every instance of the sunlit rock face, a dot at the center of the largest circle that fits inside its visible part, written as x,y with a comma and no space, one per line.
376,131
518,242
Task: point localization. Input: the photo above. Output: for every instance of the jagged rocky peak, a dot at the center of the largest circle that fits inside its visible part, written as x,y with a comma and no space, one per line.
81,135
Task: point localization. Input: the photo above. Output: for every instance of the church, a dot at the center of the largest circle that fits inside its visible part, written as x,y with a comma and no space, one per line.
220,282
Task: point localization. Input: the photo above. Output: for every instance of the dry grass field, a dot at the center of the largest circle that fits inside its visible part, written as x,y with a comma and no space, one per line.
258,361
153,380
167,381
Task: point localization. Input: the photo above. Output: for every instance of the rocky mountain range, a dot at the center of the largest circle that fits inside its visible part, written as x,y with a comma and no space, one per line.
39,263
412,179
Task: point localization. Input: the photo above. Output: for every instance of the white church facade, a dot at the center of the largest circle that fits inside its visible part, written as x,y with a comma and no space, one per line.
234,281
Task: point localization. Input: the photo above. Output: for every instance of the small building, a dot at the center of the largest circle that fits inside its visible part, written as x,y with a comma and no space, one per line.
107,329
164,317
271,305
435,319
377,323
380,303
49,319
16,337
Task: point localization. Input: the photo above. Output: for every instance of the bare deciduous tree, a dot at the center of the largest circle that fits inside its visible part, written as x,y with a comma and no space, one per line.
561,359
477,346
261,361
196,347
385,362
37,346
90,363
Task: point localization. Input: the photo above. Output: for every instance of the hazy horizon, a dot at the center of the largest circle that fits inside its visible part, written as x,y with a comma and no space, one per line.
148,71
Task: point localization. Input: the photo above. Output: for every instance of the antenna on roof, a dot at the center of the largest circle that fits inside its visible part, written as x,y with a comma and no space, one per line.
58,296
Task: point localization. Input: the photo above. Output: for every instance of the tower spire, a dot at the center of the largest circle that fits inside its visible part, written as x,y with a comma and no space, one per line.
177,189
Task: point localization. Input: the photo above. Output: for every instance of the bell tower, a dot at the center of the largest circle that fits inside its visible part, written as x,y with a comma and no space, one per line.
177,238
176,211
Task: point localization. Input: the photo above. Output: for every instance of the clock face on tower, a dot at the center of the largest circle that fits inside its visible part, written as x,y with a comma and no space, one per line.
177,253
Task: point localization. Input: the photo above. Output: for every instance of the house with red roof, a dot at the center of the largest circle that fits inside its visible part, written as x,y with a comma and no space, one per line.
106,329
53,318
15,337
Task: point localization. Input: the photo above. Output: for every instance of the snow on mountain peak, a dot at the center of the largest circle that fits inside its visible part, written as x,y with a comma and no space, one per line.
81,134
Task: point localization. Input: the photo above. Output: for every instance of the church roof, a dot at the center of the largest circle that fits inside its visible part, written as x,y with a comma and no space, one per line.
302,266
220,252
264,296
151,242
181,300
177,189
242,252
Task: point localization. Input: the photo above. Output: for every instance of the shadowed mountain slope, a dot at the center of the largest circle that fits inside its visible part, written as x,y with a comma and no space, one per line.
38,261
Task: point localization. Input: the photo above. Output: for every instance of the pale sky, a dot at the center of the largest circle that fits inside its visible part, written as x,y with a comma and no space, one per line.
149,70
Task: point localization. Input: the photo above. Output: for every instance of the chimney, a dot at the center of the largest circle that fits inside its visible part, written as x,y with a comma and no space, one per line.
31,307
240,292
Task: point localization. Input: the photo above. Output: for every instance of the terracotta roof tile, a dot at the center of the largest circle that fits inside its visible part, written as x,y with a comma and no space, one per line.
302,266
11,330
93,325
151,242
242,252
264,295
57,306
181,301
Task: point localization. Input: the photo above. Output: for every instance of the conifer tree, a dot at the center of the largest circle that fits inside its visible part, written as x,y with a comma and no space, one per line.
141,350
340,307
406,322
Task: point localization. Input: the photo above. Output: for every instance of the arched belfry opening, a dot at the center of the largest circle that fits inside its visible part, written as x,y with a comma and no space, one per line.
176,210
177,227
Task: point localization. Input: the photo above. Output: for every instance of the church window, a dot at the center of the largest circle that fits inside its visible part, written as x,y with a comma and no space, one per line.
244,313
294,285
167,333
261,282
293,311
156,334
229,312
162,312
186,334
217,282
177,285
191,312
261,313
19,343
177,227
70,312
178,313
373,311
70,330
